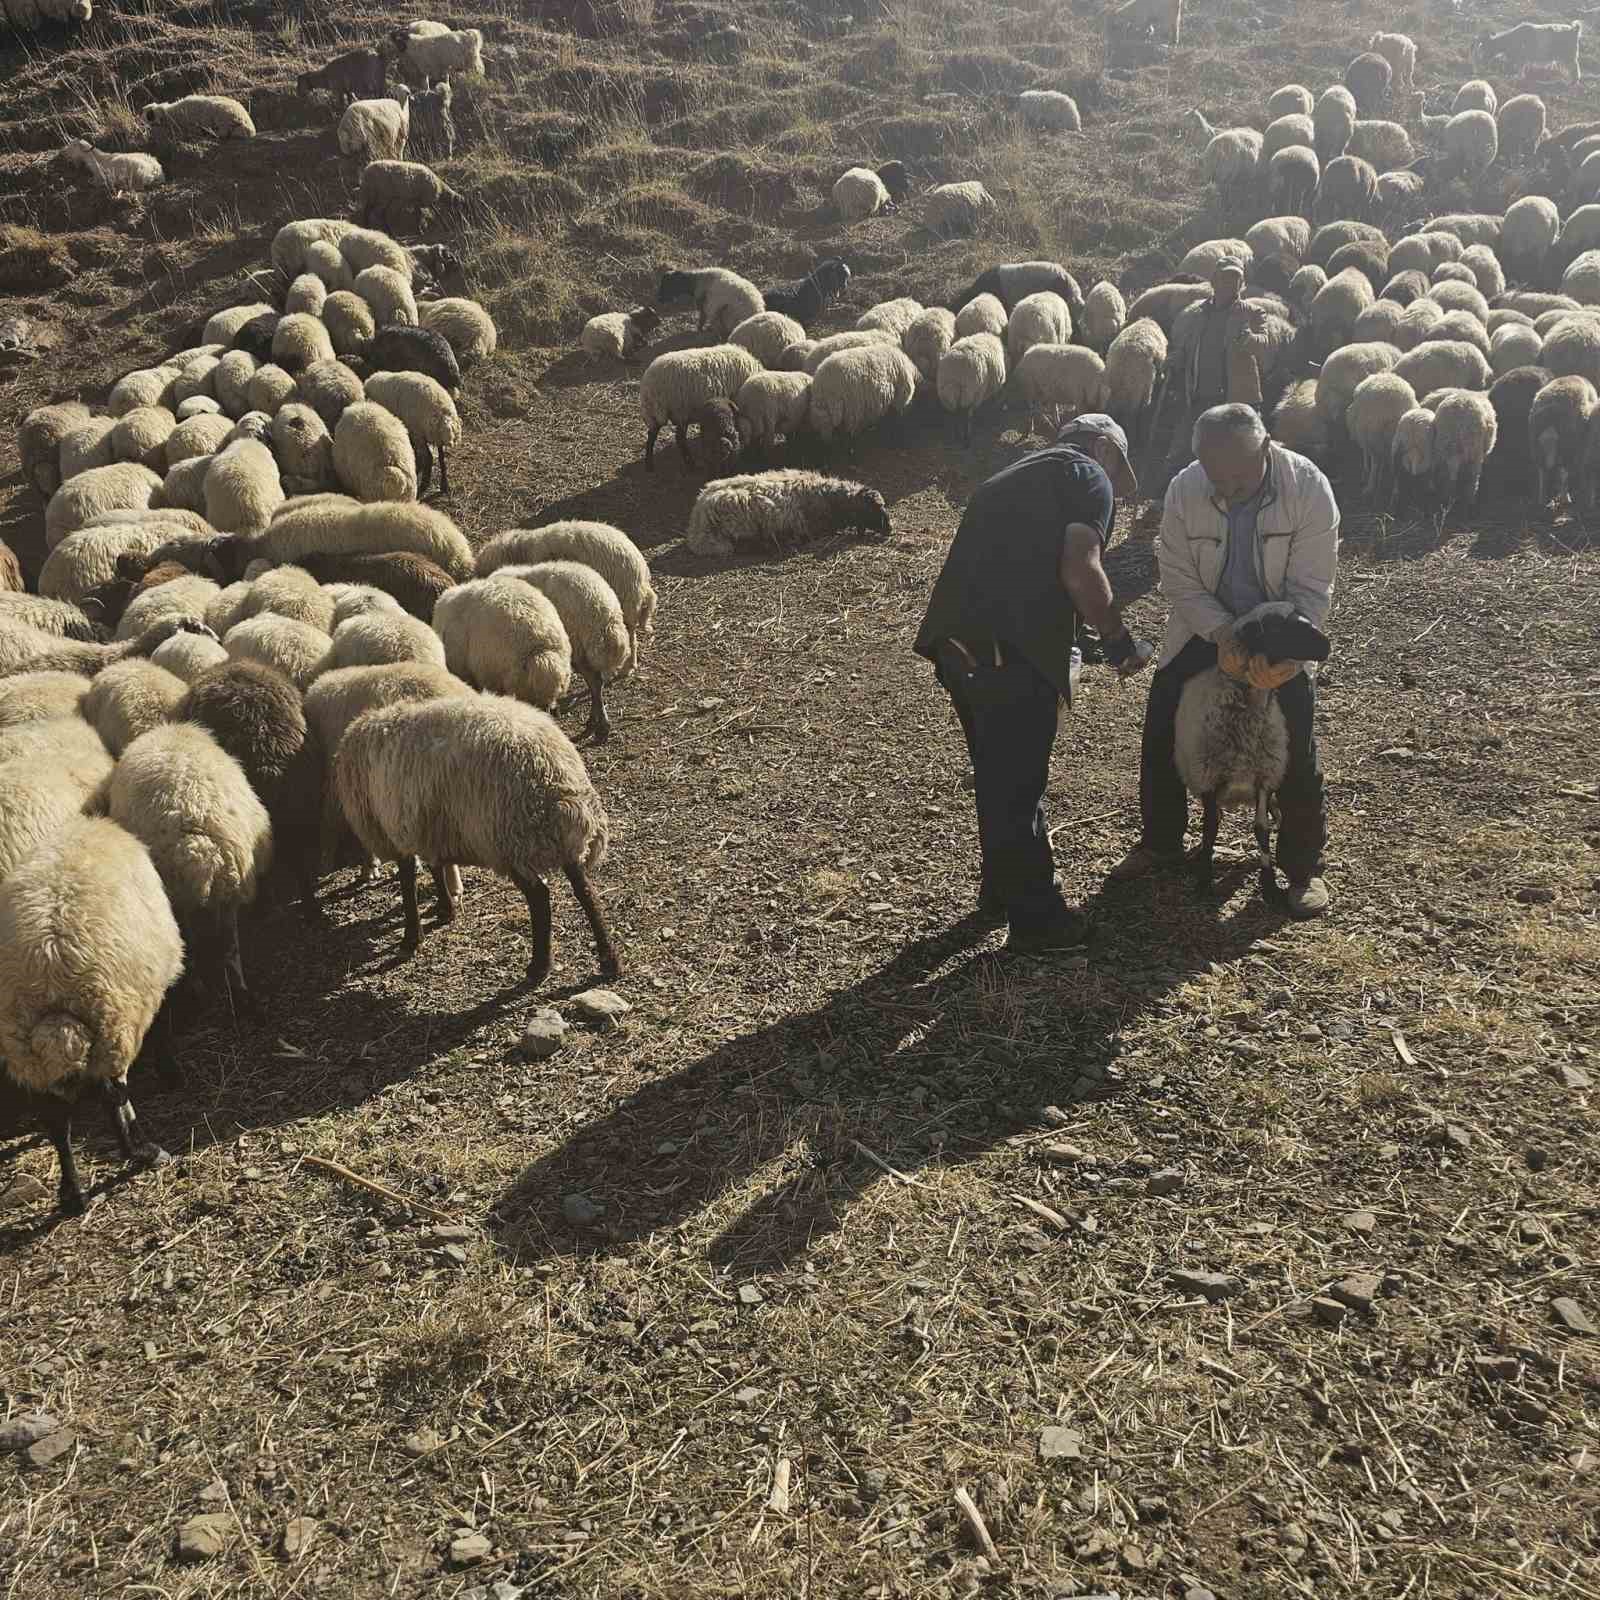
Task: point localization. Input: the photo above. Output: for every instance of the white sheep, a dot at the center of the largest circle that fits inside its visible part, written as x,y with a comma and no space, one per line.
1464,430
241,488
361,600
469,330
1059,380
123,485
1136,366
504,636
294,239
1522,123
142,435
269,387
1457,296
375,130
300,341
303,448
1343,372
816,351
230,382
1203,259
91,444
1411,453
189,596
389,297
1444,364
985,313
381,637
186,655
1049,110
1232,161
436,53
772,403
1293,128
780,510
926,339
307,295
40,697
1487,273
197,436
1348,185
969,374
677,383
295,649
623,334
1384,144
1283,240
1400,51
1298,425
285,591
219,115
39,797
325,262
1293,99
487,782
372,454
855,389
609,551
223,326
338,525
1333,118
1336,307
428,414
88,949
39,440
1560,422
329,388
144,386
1105,314
1471,142
956,208
349,321
85,560
128,173
860,193
722,299
1511,347
1572,349
1376,407
130,698
1042,318
893,317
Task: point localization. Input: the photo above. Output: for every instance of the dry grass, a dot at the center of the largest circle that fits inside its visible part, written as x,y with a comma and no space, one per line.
873,1208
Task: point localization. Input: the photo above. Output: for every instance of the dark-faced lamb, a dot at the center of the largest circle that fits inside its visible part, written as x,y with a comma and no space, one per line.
806,300
1232,743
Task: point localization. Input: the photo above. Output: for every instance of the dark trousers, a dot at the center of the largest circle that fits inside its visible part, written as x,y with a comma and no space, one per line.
1008,714
1163,803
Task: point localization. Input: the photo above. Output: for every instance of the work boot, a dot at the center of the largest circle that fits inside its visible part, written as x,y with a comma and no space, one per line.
990,907
1069,931
1142,860
1308,898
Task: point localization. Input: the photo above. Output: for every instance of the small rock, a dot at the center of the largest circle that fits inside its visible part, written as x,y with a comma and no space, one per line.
1496,1369
1293,1533
1060,1444
1197,1593
422,1443
580,1210
1573,1317
872,1485
51,1448
1536,1159
1357,1291
1451,1136
451,1233
710,703
1068,1155
468,1549
454,1253
1327,1311
543,1035
1360,1221
1169,1180
1213,1285
1152,1508
750,1295
603,1007
205,1536
215,1493
1534,894
299,1534
1571,1077
1533,1411
25,1190
27,1428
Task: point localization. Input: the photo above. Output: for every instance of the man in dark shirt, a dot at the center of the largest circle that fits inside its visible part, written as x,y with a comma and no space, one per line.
1024,564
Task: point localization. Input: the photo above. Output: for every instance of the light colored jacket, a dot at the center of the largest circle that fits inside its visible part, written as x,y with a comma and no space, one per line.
1297,547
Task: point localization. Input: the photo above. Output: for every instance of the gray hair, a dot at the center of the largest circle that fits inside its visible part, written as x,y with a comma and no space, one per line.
1238,422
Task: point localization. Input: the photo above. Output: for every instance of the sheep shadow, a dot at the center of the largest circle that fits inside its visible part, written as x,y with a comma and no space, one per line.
852,1075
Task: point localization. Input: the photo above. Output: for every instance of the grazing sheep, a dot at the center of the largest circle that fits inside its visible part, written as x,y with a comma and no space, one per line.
230,382
602,650
1457,296
216,114
984,313
676,384
1471,142
369,247
1400,51
59,617
376,638
1529,234
39,442
1146,19
412,582
334,525
224,326
428,414
329,388
504,636
86,560
722,299
187,655
968,375
1105,314
1486,270
1398,191
296,649
433,51
1412,457
1293,99
1298,425
128,173
187,596
893,317
1049,110
1368,79
1444,364
1559,424
304,450
269,387
1057,380
815,351
1533,42
806,299
1164,303
1422,252
1512,347
1136,368
767,335
372,454
1304,287
1041,318
1377,405
124,485
1231,744
1013,281
40,697
1343,372
376,130
300,341
487,782
1349,187
88,949
714,440
1464,429
356,75
287,591
1380,322
1281,241
860,193
953,208
1333,118
1332,236
349,321
1522,124
40,795
470,333
782,510
130,698
1512,395
325,263
141,435
1204,259
772,403
90,445
241,488
406,187
1384,144
1336,306
1232,162
926,340
389,297
855,389
1572,349
1368,258
1580,284
1285,132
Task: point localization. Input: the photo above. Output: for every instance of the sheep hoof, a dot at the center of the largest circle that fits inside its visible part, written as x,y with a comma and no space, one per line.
70,1202
538,971
611,970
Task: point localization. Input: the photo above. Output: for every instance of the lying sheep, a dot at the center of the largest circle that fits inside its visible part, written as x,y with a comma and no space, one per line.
406,187
219,115
856,389
376,130
782,510
505,637
129,173
39,442
620,334
675,385
609,551
88,949
602,649
968,375
721,298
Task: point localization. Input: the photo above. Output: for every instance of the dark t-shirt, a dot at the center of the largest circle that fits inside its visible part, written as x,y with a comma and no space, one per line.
1002,578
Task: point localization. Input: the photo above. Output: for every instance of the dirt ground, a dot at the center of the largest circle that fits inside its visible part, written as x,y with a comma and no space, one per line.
853,1223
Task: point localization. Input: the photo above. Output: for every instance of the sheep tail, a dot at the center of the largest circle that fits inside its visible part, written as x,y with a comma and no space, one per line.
61,1043
647,613
394,483
582,830
200,866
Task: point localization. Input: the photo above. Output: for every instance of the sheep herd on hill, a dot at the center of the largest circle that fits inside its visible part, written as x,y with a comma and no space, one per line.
254,653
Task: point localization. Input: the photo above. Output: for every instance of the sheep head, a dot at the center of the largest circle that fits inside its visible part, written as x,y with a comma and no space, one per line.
869,512
1280,633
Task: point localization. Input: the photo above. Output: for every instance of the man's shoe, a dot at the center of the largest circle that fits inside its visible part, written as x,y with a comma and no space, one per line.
1069,932
1141,860
1308,898
990,908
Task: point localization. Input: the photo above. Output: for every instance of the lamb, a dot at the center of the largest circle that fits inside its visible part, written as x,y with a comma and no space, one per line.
124,485
39,442
376,130
623,334
781,509
953,208
1136,370
1057,379
376,638
893,317
1531,42
855,389
1298,425
129,173
1559,425
722,299
88,949
1232,162
1344,371
1050,110
860,193
1013,281
927,339
58,617
1400,51
676,384
389,297
300,341
1376,407
434,55
1333,118
1384,144
295,649
714,438
372,454
470,333
428,414
129,698
805,300
336,526
1368,79
1349,186
488,782
1464,428
187,655
219,115
1231,743
969,374
505,637
1412,460
355,75
1471,142
189,803
1572,349
1336,306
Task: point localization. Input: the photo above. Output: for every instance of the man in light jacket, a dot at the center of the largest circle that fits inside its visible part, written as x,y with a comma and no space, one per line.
1246,523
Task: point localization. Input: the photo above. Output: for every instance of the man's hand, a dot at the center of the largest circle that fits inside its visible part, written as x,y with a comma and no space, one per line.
1232,657
1129,655
1264,674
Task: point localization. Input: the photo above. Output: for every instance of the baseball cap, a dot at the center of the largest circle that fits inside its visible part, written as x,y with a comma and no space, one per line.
1231,264
1097,425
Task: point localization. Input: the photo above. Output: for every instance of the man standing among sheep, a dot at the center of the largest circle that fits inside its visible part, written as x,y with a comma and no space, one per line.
1024,565
1247,523
1223,362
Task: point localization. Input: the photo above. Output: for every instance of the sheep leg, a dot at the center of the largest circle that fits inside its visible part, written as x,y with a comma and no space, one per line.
441,882
610,966
56,1115
650,447
424,465
119,1109
412,939
599,723
444,473
1270,891
537,893
1205,856
681,434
